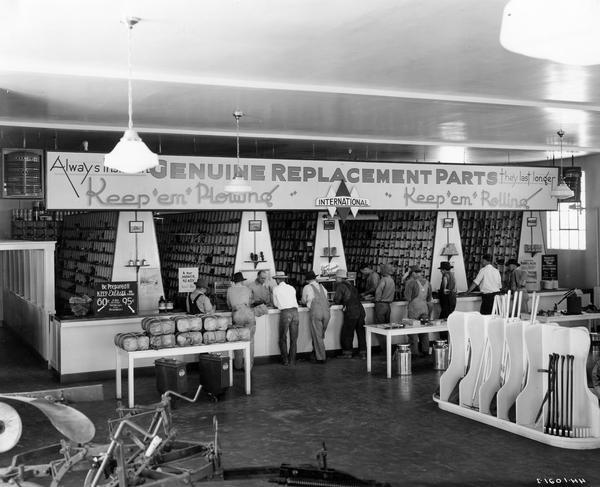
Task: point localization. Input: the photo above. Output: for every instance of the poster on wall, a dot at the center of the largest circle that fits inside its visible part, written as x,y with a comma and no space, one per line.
187,279
80,181
550,267
115,299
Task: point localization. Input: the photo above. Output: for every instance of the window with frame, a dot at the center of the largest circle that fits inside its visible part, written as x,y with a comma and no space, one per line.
566,226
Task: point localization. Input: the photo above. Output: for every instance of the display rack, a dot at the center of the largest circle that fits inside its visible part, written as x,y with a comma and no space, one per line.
85,254
204,239
506,363
36,223
401,238
293,238
489,232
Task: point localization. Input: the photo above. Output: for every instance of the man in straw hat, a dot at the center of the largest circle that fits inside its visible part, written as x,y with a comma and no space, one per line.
447,291
238,300
284,298
314,296
354,315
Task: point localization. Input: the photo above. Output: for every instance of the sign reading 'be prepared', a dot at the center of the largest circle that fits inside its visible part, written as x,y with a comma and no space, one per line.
115,298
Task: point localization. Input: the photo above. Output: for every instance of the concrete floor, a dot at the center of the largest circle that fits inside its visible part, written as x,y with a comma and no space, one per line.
389,430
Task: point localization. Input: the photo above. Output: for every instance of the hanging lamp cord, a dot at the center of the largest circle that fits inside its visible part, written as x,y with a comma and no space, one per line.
129,84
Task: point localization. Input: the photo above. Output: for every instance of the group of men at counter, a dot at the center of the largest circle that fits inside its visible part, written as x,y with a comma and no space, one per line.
249,300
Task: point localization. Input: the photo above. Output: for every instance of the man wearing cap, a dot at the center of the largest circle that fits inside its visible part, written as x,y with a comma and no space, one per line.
238,300
354,315
372,279
314,296
418,294
490,283
447,292
284,298
197,302
516,281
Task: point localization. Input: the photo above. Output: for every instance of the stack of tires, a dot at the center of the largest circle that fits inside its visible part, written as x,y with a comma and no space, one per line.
181,331
161,331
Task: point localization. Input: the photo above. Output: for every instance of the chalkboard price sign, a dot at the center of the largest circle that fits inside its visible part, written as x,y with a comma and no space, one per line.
115,299
550,267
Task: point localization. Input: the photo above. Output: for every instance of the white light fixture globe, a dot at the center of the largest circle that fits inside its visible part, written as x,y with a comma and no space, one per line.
559,31
562,191
130,155
238,185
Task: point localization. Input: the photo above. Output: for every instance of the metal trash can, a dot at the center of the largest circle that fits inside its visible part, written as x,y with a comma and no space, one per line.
403,359
595,346
440,355
171,375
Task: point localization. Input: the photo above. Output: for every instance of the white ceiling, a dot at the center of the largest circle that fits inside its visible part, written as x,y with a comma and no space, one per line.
417,74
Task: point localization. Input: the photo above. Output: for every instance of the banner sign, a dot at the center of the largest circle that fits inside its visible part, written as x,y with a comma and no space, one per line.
80,181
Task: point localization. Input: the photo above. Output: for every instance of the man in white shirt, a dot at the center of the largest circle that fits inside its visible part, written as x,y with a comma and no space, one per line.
490,282
284,298
314,296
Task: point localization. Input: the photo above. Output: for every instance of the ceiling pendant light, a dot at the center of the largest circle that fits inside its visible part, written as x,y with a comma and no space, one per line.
130,155
238,184
562,191
563,32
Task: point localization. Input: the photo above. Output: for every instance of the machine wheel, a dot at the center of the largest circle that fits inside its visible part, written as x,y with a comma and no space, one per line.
10,427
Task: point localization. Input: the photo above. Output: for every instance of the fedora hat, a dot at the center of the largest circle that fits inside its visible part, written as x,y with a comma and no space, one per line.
513,262
201,283
238,277
310,275
280,275
445,266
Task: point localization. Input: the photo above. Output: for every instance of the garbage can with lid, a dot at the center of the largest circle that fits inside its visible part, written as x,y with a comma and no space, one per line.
171,375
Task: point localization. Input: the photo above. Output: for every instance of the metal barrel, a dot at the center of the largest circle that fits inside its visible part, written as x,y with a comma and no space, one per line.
440,355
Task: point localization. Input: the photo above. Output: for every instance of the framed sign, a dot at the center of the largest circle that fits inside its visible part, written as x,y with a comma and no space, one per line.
115,298
254,225
22,173
550,267
328,224
531,221
448,222
136,227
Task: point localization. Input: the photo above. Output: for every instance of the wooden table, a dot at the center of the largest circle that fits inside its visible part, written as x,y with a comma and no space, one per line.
175,352
389,333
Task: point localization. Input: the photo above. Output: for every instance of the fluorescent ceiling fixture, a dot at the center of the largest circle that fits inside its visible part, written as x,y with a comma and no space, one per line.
130,155
564,32
452,153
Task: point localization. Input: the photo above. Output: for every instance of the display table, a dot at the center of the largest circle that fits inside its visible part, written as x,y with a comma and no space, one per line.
175,352
391,332
560,318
